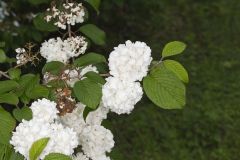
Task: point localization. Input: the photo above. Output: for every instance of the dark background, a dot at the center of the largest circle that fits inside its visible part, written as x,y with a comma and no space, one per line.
208,128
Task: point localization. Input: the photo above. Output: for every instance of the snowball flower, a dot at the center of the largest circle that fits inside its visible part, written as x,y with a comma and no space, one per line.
121,96
62,139
75,119
96,141
62,50
44,110
80,156
130,61
27,133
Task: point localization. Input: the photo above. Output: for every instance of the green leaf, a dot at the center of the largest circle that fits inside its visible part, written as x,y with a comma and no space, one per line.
37,91
2,44
23,113
164,89
43,25
37,2
178,69
37,148
7,124
53,67
173,48
95,4
86,111
5,152
57,156
24,82
8,85
88,92
90,58
9,98
95,77
3,56
14,73
16,156
94,33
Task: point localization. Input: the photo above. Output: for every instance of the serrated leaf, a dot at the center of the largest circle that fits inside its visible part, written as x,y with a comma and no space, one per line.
164,89
95,4
178,69
95,77
173,48
9,98
23,113
8,85
57,156
14,73
3,56
53,67
7,124
43,25
37,148
97,35
88,92
37,91
90,58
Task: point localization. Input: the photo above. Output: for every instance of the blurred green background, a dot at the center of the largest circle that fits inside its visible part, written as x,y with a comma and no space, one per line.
208,128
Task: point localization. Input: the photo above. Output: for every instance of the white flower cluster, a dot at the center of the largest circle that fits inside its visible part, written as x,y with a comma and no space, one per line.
96,141
62,139
71,13
3,11
62,50
94,138
21,57
128,63
121,96
80,156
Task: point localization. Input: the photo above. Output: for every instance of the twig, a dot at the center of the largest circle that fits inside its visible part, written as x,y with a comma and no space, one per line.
4,74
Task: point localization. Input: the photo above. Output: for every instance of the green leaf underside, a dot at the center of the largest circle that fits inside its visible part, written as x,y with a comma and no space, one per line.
95,4
37,148
88,92
57,156
37,91
14,73
53,67
90,58
3,56
178,69
164,89
23,113
43,25
9,98
95,77
173,48
97,35
7,124
8,85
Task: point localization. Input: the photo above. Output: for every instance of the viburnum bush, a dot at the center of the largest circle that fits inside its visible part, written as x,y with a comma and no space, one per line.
58,113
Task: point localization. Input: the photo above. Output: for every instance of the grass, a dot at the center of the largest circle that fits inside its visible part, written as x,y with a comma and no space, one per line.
208,128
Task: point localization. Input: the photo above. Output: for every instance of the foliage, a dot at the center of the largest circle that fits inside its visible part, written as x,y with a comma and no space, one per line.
208,126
